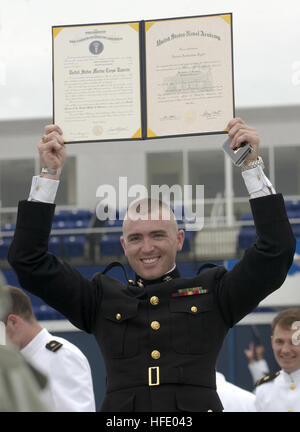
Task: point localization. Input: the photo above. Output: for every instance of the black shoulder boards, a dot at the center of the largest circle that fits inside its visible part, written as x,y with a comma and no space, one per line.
53,345
267,378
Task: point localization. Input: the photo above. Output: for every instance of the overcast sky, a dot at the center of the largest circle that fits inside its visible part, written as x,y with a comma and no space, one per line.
266,46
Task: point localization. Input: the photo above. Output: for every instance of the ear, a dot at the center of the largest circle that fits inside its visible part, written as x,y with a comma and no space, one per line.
180,239
12,320
123,243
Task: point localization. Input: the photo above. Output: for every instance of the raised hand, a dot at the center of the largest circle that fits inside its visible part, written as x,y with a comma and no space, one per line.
239,132
52,149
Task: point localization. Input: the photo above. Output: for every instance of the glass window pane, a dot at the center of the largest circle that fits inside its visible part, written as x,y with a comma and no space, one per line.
15,180
164,168
287,170
207,168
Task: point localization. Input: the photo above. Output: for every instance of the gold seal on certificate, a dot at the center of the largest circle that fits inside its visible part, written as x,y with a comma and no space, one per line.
139,80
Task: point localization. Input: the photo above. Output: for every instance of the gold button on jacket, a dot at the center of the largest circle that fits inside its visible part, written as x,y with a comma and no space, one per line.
154,300
155,325
155,354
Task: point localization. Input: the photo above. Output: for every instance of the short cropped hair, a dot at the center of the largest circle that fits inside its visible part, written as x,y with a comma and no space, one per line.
150,209
20,304
286,318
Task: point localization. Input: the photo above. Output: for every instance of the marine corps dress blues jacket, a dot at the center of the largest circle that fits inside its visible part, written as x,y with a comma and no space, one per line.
159,347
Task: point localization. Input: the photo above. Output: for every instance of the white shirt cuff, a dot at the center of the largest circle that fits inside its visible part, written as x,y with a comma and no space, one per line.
257,182
43,189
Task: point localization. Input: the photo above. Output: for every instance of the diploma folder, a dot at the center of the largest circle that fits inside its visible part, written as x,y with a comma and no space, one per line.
143,79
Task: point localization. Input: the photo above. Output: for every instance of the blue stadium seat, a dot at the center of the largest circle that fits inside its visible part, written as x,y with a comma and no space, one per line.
4,246
74,245
296,229
110,244
54,245
293,214
113,223
81,223
62,224
292,205
246,217
247,237
8,227
80,215
61,215
72,215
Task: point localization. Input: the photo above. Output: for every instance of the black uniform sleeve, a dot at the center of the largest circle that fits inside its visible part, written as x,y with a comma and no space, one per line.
264,265
41,273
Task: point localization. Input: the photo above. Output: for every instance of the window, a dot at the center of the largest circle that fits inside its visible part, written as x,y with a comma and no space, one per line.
287,170
207,168
164,168
15,180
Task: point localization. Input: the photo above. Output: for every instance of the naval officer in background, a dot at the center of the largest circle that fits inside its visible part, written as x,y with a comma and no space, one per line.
280,391
70,385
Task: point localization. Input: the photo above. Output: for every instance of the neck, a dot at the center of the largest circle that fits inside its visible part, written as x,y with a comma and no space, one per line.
31,331
172,274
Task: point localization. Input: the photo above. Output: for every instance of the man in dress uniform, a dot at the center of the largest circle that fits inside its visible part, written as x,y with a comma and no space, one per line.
67,369
280,391
21,385
161,334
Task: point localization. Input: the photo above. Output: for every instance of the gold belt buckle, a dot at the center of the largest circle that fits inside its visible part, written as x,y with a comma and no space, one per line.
150,370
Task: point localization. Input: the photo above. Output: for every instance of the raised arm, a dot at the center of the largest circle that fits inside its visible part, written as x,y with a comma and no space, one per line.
264,266
41,273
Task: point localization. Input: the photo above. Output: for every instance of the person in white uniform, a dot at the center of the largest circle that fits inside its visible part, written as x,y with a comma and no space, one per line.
21,385
67,369
280,391
234,398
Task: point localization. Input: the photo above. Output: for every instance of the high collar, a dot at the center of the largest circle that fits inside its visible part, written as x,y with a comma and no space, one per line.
36,343
293,377
172,274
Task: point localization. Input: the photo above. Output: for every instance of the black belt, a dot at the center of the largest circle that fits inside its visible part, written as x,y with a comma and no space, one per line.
154,376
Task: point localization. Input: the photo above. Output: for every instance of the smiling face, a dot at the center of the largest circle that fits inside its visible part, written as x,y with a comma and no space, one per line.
151,244
286,348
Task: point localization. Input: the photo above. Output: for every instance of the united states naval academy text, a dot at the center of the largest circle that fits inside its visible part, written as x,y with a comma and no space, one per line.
152,421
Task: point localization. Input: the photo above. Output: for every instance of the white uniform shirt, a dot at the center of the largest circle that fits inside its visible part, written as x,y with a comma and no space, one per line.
68,371
282,394
234,398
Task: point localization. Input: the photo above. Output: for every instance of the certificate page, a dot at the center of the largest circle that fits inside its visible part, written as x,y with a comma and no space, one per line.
96,81
189,75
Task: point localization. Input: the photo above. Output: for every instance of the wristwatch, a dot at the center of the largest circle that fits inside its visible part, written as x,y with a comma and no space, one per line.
253,164
49,171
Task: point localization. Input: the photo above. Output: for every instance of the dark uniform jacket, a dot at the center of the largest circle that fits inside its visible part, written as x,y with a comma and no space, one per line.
159,346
